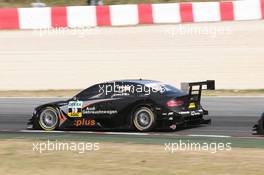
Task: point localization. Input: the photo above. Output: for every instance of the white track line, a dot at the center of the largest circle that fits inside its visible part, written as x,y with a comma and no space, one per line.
213,136
85,132
110,133
232,96
122,133
39,131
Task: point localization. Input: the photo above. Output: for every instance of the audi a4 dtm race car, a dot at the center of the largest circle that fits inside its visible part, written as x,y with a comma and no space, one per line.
143,105
258,129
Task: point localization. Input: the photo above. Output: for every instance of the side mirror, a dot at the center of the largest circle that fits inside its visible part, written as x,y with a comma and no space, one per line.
74,98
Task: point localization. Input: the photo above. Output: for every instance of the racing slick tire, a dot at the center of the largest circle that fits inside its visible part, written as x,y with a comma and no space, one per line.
48,119
144,119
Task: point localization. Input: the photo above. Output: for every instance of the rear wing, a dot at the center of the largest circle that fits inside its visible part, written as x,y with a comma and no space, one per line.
194,89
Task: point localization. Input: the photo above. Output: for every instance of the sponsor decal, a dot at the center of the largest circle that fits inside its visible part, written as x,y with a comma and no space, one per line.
195,113
75,108
192,105
84,122
90,102
92,110
109,112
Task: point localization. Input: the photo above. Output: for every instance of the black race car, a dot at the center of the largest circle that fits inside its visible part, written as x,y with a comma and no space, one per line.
258,129
143,105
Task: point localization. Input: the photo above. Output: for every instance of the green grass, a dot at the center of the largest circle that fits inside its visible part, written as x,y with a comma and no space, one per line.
27,3
157,140
19,157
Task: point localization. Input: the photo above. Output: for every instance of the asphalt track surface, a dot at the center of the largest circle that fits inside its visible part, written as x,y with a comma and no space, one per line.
231,116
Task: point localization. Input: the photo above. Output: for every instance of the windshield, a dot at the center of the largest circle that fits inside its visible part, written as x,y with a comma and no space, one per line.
89,93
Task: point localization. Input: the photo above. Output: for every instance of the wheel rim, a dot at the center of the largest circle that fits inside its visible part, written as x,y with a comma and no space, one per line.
143,119
48,119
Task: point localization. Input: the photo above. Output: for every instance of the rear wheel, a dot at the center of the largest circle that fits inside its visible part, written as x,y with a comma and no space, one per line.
48,119
144,119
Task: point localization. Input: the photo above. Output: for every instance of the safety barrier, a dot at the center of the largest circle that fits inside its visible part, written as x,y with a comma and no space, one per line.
122,15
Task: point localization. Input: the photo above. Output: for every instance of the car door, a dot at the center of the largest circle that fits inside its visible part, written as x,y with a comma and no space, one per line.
91,106
123,98
88,108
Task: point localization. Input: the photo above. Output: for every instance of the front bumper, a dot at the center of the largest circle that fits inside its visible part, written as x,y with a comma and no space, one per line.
32,121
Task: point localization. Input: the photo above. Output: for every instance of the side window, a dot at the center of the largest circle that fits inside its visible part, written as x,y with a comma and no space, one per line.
124,90
91,92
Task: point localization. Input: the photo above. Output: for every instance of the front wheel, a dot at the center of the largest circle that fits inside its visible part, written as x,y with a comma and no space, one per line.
48,119
144,119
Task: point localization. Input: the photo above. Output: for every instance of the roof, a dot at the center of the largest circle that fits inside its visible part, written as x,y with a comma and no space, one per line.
138,81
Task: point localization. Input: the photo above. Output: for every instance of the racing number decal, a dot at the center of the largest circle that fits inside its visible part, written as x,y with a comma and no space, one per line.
75,109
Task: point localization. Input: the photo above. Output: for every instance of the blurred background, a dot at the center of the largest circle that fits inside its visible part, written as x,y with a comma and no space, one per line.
29,3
